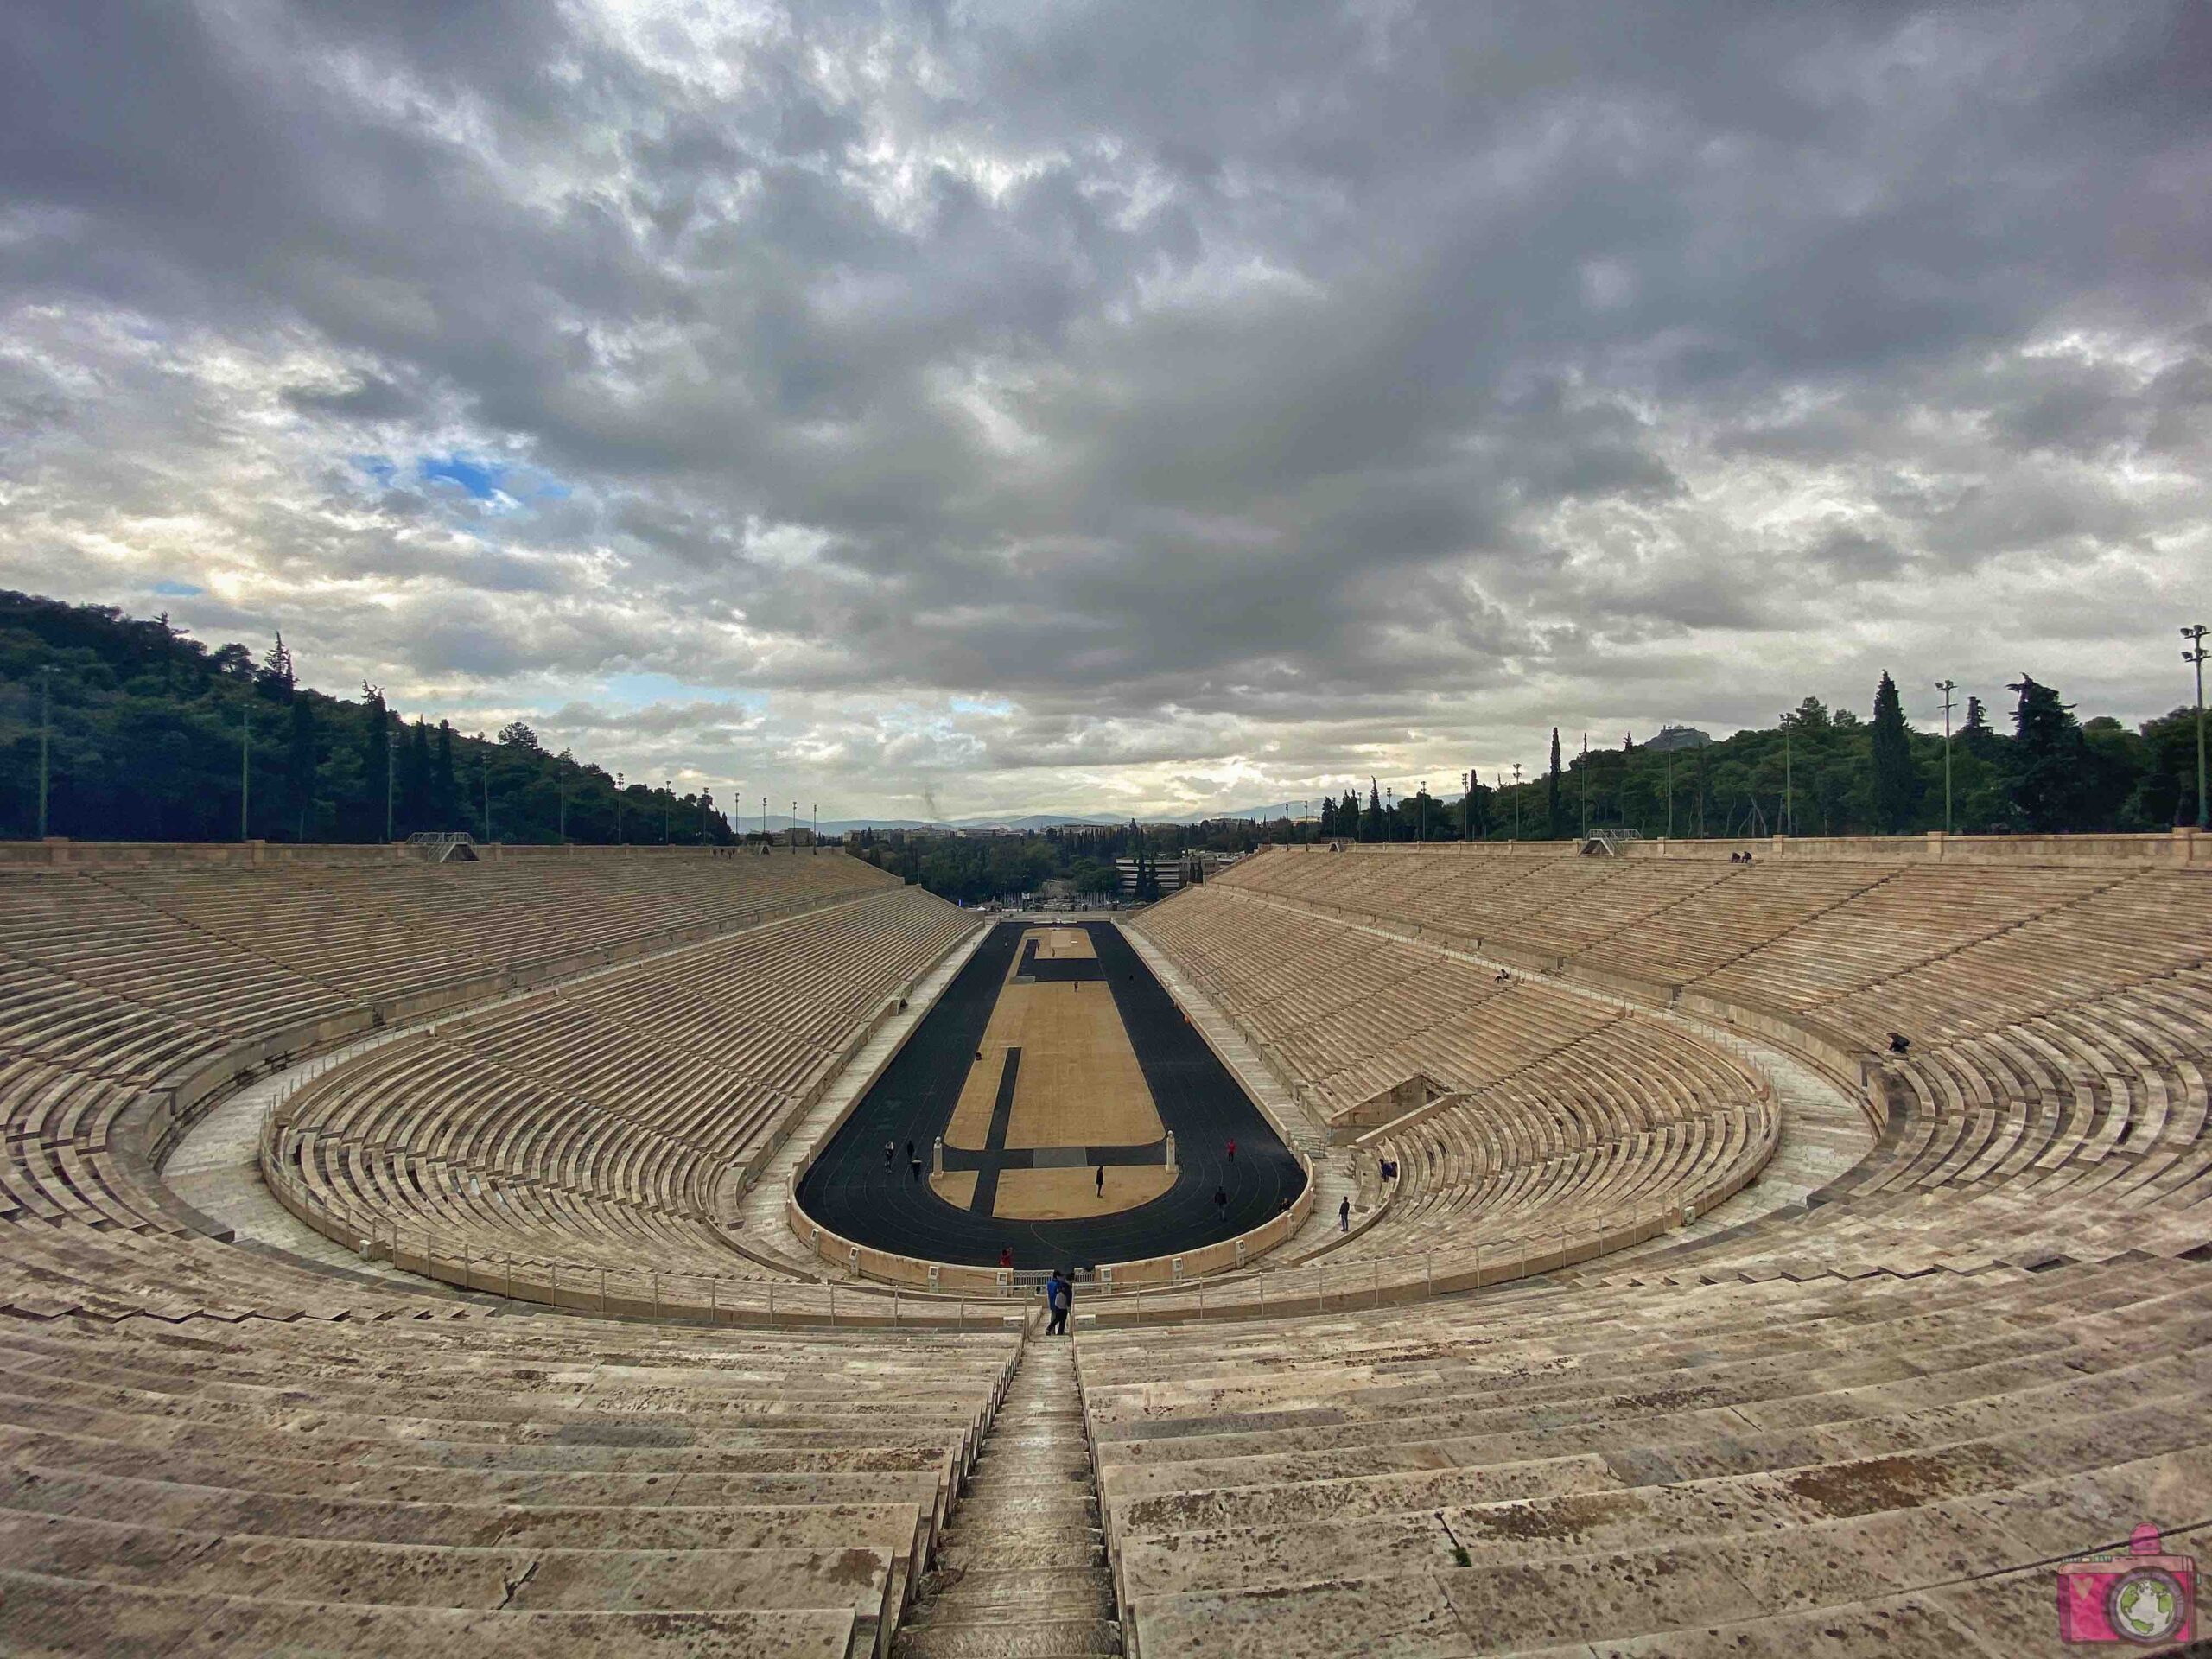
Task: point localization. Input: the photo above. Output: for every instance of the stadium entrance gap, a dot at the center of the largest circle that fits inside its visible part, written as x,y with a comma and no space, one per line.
1053,1056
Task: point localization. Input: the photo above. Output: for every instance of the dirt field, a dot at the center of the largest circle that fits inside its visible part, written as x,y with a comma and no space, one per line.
1052,1214
955,1186
1078,1084
1070,1194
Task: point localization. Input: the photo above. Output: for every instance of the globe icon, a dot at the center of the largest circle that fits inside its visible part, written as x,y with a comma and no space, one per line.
2144,1606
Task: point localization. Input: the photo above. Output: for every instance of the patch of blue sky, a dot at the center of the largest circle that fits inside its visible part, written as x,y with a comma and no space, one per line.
480,479
999,708
504,486
637,691
379,467
169,588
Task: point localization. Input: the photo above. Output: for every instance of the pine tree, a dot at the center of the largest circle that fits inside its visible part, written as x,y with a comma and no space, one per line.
1977,735
2051,773
1557,828
1897,782
276,678
1376,826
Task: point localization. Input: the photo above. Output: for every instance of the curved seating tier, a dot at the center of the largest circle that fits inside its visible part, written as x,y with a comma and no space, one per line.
215,1446
596,1124
1868,1422
1560,1111
129,992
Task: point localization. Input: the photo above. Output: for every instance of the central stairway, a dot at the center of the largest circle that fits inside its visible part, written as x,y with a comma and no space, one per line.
1021,1573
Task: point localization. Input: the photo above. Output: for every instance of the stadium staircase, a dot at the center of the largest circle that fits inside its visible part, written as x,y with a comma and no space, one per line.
1022,1569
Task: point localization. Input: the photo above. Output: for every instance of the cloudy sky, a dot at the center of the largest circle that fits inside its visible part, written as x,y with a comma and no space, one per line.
1111,408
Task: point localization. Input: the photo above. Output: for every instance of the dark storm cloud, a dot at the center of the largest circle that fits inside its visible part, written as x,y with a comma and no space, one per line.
1036,398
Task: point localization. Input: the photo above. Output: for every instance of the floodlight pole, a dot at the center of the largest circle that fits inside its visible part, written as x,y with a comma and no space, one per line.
1467,806
2195,634
1517,800
487,794
618,808
391,754
245,767
1420,815
1670,794
1789,812
1947,687
45,737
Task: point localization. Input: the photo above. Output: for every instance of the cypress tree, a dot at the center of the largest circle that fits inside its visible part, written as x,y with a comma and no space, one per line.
1897,785
1558,822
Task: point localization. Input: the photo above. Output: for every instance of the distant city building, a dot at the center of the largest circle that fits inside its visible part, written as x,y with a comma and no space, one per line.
1168,873
1677,737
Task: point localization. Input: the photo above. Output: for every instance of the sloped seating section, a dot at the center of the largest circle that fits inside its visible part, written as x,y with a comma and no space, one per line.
1742,1468
2055,1015
1864,1423
212,1447
524,1485
596,1124
1565,1112
1350,1013
130,992
382,933
1625,1121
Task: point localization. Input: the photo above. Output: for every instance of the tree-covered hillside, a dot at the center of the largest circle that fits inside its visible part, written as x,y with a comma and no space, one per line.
154,737
153,733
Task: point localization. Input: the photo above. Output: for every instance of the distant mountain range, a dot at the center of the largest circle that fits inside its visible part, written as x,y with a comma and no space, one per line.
780,823
777,822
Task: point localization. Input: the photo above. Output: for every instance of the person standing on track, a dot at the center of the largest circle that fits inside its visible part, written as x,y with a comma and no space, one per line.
1221,1204
1232,1149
